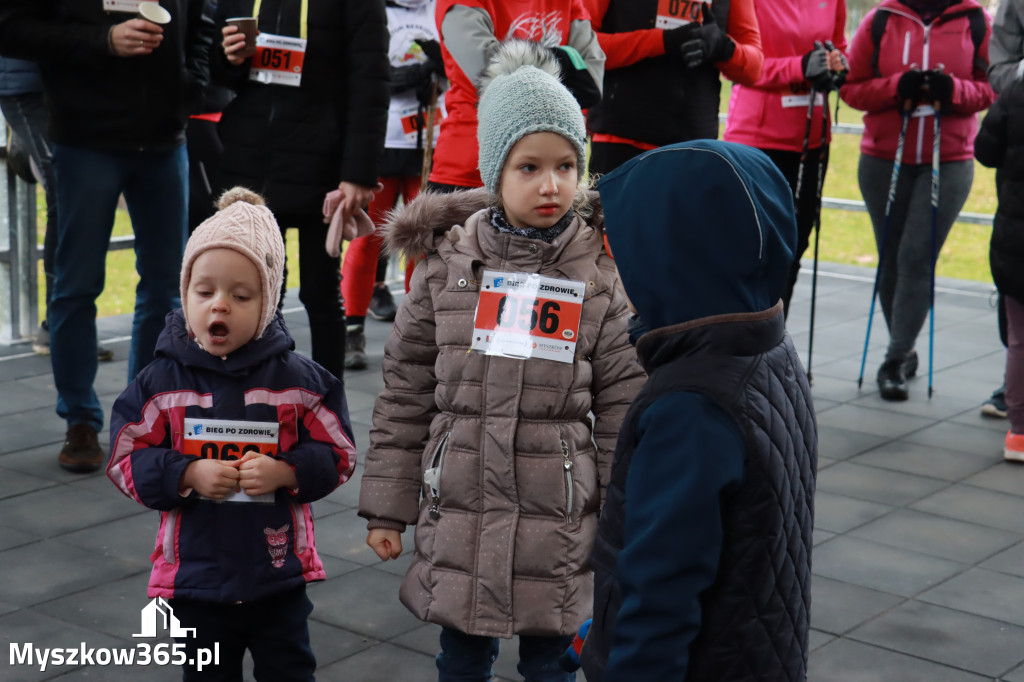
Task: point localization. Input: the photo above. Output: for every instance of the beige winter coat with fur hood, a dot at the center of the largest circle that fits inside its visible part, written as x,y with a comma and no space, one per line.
503,547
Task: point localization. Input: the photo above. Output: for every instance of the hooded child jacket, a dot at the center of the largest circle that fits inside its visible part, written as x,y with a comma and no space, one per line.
702,560
229,552
504,529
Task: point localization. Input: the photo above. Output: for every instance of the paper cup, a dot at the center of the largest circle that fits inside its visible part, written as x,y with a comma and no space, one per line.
248,27
152,11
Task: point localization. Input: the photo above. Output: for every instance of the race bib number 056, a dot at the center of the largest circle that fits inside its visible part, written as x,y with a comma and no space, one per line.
231,439
675,13
523,315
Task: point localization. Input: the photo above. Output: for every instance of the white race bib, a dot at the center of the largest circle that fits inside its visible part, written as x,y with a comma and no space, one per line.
526,315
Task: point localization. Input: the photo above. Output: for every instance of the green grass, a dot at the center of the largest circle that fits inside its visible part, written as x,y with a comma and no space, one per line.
846,236
119,292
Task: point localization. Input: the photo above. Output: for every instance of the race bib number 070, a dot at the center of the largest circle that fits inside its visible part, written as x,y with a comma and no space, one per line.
523,315
675,13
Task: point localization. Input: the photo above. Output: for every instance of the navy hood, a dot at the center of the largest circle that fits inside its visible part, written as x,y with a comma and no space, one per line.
699,228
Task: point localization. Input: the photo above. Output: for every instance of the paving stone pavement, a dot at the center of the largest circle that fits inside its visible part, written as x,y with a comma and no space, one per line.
919,544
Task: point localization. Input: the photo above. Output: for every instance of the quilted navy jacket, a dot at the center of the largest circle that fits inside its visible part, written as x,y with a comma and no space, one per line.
221,551
702,561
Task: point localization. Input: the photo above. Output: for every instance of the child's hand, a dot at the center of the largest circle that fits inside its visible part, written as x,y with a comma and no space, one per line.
386,543
211,478
260,474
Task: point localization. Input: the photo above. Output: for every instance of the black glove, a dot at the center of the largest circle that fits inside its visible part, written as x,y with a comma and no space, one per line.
432,51
940,88
576,78
815,66
910,86
705,42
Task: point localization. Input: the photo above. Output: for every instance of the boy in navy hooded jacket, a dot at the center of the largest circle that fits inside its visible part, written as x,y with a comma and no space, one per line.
702,560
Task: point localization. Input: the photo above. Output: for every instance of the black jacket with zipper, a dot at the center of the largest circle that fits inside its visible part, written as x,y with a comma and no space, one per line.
295,144
98,100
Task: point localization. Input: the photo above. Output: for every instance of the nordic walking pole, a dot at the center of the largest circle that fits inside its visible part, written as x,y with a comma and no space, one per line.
798,191
822,157
935,221
905,113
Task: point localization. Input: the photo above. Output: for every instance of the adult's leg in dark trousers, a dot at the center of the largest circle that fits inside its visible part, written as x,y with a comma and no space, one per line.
320,293
807,210
607,156
88,185
157,197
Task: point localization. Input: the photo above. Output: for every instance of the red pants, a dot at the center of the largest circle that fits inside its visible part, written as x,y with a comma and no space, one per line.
360,266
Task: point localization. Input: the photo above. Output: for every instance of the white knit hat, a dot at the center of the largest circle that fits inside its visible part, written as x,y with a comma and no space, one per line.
521,94
244,224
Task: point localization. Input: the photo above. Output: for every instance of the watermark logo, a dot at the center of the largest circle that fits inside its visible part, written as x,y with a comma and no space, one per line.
159,611
157,617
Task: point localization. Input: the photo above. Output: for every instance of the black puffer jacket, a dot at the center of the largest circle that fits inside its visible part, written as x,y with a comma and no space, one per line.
101,101
1000,145
294,144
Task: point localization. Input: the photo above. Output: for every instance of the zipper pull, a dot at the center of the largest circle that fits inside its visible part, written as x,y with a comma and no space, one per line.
435,509
566,462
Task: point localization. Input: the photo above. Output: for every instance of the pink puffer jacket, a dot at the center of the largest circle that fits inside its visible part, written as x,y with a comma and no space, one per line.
908,42
503,536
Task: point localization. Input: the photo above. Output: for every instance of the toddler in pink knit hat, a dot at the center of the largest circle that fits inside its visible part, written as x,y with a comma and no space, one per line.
231,435
237,252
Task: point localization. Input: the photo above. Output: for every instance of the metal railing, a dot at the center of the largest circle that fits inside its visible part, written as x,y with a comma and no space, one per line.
19,305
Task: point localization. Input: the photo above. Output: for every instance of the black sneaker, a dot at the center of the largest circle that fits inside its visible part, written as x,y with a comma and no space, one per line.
996,405
355,347
81,452
910,365
382,304
892,382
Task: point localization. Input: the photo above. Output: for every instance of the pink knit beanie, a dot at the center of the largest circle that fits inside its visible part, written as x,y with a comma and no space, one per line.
245,224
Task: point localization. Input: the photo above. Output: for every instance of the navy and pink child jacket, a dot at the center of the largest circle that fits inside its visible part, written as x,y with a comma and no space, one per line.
228,552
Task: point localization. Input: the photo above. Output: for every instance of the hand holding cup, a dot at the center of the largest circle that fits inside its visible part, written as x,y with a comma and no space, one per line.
239,39
135,37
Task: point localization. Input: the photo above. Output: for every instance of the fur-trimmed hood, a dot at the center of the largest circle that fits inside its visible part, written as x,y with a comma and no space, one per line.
416,228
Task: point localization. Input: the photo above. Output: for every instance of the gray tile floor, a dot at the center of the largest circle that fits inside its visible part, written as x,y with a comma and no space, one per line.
919,557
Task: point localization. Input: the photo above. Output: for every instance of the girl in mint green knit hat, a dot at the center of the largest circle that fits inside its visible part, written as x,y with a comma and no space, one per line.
513,333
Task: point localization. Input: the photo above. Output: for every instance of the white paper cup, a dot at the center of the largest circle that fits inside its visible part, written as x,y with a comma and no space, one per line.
152,11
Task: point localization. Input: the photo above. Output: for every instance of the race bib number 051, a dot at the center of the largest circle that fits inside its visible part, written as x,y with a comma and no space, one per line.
278,59
675,13
523,315
230,439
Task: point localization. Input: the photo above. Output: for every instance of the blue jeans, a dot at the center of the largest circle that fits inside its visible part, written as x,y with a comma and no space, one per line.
468,658
89,182
27,116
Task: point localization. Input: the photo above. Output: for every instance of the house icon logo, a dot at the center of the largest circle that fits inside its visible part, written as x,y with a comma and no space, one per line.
158,614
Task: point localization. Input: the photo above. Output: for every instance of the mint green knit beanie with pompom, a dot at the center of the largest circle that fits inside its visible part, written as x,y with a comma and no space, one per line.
521,94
